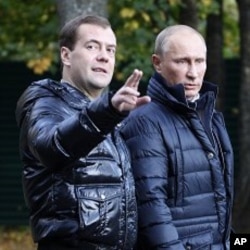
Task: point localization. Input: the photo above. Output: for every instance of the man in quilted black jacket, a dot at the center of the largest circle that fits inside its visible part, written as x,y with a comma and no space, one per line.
77,177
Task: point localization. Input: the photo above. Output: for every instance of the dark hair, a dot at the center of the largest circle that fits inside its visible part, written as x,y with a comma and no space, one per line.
69,32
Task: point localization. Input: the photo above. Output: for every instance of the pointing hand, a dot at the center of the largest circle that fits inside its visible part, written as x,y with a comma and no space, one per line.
127,97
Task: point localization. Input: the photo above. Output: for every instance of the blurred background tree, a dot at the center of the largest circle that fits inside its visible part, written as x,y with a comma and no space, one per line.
69,9
29,31
242,198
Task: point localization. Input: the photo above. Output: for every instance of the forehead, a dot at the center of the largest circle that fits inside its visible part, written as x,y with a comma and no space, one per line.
187,44
89,32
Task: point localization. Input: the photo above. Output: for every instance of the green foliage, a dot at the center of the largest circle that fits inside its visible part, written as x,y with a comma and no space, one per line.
28,33
206,7
136,24
29,30
231,29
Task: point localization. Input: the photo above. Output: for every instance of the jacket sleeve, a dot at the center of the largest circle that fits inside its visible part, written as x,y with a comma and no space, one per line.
79,134
57,135
150,167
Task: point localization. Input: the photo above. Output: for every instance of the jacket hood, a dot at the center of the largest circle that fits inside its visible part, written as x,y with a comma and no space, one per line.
25,102
46,88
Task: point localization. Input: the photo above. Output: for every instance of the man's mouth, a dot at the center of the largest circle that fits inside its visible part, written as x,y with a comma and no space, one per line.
102,70
189,86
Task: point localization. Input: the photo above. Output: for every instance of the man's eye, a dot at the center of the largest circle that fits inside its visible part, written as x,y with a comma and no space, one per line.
200,60
92,47
181,61
111,50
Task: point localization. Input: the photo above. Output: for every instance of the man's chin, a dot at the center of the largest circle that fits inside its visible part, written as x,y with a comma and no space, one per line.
101,85
101,82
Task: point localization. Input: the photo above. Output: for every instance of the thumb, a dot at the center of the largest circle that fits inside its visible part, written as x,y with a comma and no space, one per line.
142,100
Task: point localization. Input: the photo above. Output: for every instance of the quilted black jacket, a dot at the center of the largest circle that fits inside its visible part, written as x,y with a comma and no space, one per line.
183,167
77,179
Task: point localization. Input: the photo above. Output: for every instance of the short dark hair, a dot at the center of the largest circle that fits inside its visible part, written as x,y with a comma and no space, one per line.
69,32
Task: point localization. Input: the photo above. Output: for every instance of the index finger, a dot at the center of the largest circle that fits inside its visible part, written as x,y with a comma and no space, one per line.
134,79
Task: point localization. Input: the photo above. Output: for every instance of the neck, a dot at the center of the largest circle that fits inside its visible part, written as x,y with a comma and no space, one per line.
91,94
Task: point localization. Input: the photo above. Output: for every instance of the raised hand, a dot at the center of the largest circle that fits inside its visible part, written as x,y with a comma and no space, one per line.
127,97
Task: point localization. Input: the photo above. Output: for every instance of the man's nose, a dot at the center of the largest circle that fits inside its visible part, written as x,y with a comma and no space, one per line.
192,70
103,55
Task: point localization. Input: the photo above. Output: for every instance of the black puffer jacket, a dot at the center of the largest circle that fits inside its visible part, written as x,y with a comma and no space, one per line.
183,167
77,179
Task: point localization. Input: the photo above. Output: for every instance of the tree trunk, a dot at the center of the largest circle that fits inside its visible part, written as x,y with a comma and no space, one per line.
214,40
242,192
189,13
69,9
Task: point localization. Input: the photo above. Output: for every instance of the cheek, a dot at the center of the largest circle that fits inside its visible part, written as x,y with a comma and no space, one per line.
112,63
175,74
77,61
202,70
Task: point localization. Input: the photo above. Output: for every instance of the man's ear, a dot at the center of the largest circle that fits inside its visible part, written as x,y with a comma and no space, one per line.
156,61
65,55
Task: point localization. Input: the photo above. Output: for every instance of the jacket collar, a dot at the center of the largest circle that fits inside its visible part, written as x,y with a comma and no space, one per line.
160,90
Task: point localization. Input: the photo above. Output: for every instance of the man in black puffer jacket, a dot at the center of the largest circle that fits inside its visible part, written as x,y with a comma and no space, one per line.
182,157
77,178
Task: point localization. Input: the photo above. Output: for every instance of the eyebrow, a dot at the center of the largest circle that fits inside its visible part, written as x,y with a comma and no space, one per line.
99,42
187,58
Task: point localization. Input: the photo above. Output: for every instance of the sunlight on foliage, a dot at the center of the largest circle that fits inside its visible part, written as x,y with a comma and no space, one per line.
146,17
206,3
127,13
132,25
18,238
40,65
174,2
